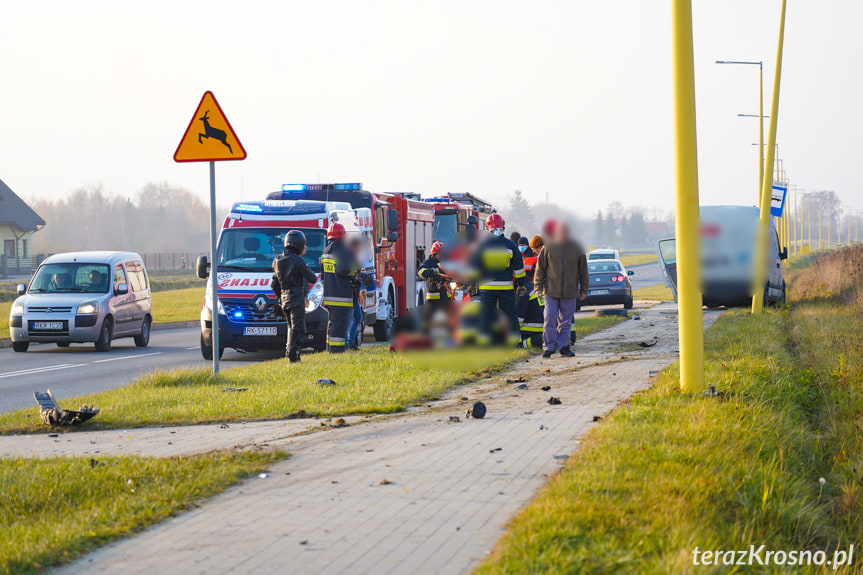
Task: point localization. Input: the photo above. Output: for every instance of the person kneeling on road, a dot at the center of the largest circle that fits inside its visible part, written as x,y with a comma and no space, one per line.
339,266
531,312
290,283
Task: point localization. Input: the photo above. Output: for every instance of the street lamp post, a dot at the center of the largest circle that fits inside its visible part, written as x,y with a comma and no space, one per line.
760,115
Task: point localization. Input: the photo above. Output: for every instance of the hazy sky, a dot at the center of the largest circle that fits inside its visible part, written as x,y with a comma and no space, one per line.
569,97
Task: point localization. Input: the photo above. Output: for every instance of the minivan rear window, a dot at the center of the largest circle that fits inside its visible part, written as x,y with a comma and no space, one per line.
73,277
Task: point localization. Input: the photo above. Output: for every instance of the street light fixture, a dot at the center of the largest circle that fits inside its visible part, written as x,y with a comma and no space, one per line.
760,65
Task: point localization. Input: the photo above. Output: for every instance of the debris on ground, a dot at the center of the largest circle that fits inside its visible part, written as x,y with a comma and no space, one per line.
561,456
546,388
554,401
519,379
477,410
385,482
326,381
304,542
224,426
645,344
454,418
522,386
597,418
262,475
495,449
235,389
51,413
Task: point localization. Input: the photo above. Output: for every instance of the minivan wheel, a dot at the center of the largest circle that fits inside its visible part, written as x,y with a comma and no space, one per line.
143,338
62,344
20,346
104,341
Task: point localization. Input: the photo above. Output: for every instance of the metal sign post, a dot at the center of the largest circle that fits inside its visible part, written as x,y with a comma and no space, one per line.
210,138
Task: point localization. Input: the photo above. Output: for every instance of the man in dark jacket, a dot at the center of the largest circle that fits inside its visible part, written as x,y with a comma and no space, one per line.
290,283
338,266
562,278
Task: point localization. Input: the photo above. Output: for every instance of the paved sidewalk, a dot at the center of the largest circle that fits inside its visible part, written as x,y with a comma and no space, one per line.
412,493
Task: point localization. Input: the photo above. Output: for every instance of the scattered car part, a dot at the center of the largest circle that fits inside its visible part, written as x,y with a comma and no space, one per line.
51,413
477,410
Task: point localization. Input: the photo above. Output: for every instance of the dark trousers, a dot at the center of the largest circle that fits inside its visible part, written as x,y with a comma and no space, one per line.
337,328
490,300
295,315
354,337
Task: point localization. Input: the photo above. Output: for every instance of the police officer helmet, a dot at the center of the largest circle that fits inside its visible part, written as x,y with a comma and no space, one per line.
295,240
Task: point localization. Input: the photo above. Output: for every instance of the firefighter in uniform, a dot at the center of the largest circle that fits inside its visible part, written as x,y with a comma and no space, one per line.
498,267
437,296
339,266
531,317
290,283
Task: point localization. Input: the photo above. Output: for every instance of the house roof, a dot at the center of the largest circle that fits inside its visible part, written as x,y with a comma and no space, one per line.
15,212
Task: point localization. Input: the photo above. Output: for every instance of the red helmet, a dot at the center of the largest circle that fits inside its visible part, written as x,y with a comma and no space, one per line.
494,222
436,247
336,231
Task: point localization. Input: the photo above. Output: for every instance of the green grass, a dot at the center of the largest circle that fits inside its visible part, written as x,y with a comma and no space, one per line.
178,305
54,510
370,381
669,472
637,259
658,292
4,318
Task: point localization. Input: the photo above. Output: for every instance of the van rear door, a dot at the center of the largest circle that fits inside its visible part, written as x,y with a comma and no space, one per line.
667,251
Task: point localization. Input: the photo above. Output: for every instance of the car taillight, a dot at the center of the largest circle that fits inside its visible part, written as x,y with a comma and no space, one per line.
617,278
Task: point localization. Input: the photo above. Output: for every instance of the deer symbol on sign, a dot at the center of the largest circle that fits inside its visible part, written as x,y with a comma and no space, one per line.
211,132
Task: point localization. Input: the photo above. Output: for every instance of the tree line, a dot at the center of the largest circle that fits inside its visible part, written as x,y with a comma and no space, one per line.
160,218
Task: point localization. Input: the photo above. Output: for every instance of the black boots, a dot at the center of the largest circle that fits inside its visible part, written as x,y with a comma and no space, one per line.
294,355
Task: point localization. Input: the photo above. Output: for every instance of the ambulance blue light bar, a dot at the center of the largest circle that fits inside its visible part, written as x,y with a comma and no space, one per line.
254,208
320,187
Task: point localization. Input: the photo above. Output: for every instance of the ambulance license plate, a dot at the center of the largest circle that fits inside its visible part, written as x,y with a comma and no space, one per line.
598,292
48,325
253,330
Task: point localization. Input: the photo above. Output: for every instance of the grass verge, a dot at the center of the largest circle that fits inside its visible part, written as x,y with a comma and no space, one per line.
669,473
4,318
370,381
638,259
178,305
54,510
367,382
658,293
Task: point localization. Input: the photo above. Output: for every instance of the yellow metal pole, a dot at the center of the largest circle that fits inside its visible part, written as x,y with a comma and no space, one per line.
767,185
687,233
760,130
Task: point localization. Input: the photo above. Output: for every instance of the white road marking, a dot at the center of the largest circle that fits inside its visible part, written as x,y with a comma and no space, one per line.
127,357
196,347
40,370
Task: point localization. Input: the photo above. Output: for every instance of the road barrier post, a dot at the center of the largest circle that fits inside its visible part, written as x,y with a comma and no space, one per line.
686,220
767,184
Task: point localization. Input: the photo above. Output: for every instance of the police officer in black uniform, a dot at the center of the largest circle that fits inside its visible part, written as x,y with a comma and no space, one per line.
339,266
498,268
290,283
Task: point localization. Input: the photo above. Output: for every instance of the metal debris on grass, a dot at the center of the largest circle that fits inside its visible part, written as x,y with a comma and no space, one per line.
554,401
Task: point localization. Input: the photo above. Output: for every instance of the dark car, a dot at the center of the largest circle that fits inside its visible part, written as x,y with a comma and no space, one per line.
609,284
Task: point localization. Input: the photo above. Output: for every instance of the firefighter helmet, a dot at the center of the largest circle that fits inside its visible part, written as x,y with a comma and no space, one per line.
494,223
335,231
296,240
436,248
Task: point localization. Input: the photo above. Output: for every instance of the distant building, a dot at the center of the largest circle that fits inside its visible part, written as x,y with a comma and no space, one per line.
18,222
657,230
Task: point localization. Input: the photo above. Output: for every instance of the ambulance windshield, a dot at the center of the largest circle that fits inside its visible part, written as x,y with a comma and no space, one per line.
253,249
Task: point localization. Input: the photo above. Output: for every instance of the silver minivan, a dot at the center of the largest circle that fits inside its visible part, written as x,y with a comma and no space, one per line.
84,297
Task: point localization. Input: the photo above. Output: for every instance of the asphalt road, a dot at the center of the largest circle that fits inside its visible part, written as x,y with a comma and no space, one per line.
646,275
80,369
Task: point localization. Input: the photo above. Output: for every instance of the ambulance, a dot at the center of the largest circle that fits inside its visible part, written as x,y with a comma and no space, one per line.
252,236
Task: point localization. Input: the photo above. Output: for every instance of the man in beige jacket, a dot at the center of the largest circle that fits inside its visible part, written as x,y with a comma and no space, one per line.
562,278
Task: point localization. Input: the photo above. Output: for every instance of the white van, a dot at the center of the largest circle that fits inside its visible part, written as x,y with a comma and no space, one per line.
727,258
84,297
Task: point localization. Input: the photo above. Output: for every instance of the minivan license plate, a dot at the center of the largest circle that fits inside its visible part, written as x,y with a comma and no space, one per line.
251,330
48,325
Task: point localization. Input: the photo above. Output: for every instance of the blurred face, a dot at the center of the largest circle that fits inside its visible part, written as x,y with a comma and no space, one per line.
561,232
95,278
60,280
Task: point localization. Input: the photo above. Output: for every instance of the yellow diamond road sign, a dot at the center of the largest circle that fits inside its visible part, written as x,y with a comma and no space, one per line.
209,136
